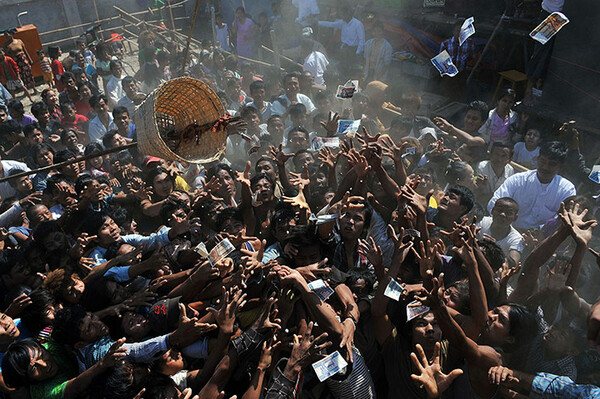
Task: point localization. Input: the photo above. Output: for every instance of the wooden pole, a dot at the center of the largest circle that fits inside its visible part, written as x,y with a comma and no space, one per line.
98,18
213,24
275,50
189,38
68,162
172,19
283,57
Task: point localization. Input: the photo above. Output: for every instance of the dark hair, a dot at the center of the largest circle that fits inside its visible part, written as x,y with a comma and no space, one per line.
492,252
290,75
64,155
507,92
258,177
64,106
231,213
170,206
273,117
499,144
30,128
479,106
92,148
16,361
82,182
96,295
37,108
215,169
127,80
247,110
282,215
86,84
66,76
54,180
15,171
118,110
107,138
156,172
554,150
257,85
426,170
158,386
508,200
360,96
467,199
9,127
95,99
34,314
301,129
298,109
53,51
114,63
39,147
93,222
15,104
66,324
304,236
9,259
268,159
456,170
524,325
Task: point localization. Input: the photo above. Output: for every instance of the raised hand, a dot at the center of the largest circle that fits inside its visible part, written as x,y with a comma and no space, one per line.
573,218
426,257
31,199
266,354
267,319
311,272
556,277
299,200
431,376
501,375
328,157
332,122
416,200
373,253
505,273
244,177
115,353
443,124
434,298
279,156
17,305
365,138
231,302
305,348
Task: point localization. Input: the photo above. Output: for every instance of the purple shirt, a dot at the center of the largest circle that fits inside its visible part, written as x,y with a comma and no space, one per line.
27,120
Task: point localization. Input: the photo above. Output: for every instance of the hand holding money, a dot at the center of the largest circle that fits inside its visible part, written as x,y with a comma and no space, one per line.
305,349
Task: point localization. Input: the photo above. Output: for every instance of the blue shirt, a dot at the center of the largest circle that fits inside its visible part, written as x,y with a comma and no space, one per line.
150,242
553,386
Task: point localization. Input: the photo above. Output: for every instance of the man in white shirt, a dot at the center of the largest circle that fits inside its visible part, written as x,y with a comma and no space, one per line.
353,31
291,86
131,96
114,88
539,192
6,190
315,62
499,227
493,172
103,122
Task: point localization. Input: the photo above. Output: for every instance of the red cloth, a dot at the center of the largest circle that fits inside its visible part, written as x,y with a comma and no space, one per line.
79,123
82,108
12,68
58,69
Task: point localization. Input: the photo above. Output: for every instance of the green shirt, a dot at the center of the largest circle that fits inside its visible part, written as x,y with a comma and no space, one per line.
54,388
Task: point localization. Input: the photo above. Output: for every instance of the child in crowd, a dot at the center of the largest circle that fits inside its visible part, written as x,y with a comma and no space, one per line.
527,152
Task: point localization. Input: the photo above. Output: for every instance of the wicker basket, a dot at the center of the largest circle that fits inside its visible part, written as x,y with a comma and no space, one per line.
174,105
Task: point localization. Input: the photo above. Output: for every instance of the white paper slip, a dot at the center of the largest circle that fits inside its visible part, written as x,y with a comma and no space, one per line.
443,63
328,366
347,126
393,290
322,290
549,27
220,251
595,174
466,30
320,142
415,309
201,249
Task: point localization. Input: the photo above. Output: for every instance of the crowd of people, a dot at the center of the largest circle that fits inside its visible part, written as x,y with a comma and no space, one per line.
409,258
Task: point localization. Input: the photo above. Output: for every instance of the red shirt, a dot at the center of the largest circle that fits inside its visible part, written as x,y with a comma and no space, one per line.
58,70
13,70
79,123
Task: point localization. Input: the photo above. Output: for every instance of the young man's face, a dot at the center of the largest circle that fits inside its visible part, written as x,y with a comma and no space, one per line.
497,330
547,168
267,168
297,141
504,213
3,115
264,190
130,88
43,118
451,203
24,185
117,70
426,331
253,121
472,121
307,256
70,84
35,137
91,329
291,87
109,232
303,159
532,138
8,331
135,326
232,227
69,114
73,290
42,365
258,95
122,121
276,127
101,107
233,91
352,224
500,156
